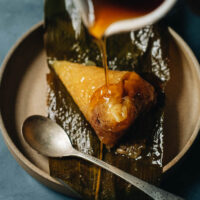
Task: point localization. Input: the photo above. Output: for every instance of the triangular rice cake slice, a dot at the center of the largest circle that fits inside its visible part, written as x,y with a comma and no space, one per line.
110,110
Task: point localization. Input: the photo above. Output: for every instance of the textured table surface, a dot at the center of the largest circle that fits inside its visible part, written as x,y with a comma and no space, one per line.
17,17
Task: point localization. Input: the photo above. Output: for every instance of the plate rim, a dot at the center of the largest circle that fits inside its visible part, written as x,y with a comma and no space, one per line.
16,153
195,132
43,176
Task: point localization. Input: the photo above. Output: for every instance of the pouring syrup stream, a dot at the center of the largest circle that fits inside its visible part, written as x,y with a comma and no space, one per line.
107,12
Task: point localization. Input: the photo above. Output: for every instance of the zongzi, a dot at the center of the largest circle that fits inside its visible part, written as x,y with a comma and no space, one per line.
111,109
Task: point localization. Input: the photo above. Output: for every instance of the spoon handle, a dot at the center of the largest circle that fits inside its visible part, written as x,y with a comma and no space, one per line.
151,190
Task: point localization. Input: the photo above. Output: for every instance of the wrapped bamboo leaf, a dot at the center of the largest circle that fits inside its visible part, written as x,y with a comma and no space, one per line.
140,151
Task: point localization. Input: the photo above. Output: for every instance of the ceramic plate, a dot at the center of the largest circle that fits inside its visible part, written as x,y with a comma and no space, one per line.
23,92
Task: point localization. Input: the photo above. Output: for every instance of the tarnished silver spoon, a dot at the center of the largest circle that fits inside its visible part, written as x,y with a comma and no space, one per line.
49,139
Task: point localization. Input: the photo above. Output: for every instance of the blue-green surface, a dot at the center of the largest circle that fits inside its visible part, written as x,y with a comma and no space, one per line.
16,17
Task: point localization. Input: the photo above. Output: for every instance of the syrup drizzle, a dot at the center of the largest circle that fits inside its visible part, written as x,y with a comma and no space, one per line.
107,12
102,46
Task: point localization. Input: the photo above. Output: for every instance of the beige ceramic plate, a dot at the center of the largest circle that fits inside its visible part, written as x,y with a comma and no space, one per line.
23,92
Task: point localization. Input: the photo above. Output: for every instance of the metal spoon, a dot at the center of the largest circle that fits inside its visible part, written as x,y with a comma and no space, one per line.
49,139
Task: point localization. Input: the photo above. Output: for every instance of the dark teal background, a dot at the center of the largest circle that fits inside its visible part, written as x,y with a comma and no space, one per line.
17,17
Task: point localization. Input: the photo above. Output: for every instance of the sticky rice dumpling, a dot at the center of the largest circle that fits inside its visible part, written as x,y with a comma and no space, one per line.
111,109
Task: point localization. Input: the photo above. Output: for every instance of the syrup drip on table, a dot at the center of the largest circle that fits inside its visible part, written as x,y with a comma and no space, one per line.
107,12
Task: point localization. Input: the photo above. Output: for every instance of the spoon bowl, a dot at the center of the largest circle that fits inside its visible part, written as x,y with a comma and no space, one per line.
46,136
